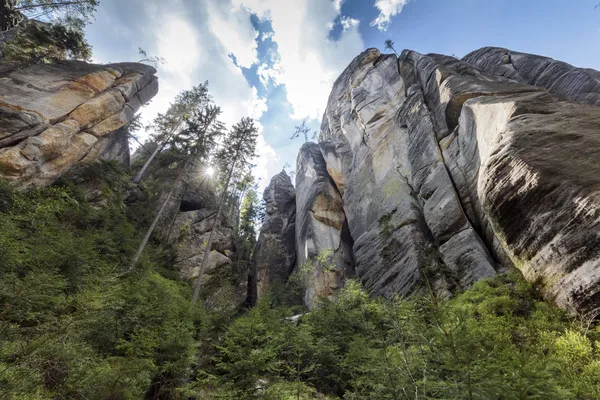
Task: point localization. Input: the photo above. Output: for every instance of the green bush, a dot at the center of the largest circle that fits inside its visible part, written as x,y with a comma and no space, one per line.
71,327
498,340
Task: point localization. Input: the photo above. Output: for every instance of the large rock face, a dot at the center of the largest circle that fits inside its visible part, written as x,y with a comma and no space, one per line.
450,174
55,116
323,244
275,252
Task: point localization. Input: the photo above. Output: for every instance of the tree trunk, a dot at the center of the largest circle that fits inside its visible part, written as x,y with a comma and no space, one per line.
198,281
159,147
140,174
159,214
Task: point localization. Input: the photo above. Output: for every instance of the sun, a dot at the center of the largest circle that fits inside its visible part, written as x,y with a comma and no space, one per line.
210,171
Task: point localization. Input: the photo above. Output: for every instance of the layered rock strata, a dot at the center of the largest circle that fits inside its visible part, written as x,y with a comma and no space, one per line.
53,116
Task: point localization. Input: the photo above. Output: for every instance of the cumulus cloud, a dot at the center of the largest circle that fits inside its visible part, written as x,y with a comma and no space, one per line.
387,9
308,61
196,39
232,26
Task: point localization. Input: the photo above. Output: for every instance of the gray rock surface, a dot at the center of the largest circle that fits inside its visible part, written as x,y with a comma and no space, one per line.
323,244
450,174
572,83
275,252
53,116
224,284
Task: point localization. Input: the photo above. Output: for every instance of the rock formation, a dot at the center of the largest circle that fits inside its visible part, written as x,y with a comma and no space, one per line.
450,174
275,252
224,284
572,83
323,245
53,116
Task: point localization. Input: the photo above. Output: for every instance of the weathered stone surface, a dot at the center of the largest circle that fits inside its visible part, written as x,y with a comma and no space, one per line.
275,251
224,284
113,147
454,174
572,83
538,186
392,245
57,115
323,245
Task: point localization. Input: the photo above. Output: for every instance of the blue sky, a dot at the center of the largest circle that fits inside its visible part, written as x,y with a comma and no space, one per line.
275,60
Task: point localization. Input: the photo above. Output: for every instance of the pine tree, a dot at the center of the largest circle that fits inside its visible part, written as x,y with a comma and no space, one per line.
194,143
239,149
75,10
389,45
192,106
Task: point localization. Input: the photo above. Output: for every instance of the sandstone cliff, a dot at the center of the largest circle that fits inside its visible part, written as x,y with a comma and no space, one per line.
450,174
275,252
448,171
53,116
323,245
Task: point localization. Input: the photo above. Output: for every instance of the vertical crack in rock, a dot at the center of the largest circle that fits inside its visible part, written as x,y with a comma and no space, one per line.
323,243
275,252
444,167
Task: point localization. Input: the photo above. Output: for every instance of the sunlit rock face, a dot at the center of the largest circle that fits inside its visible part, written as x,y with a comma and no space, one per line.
449,174
275,252
53,116
324,246
572,83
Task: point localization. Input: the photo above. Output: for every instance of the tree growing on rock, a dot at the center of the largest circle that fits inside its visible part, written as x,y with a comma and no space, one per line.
239,148
304,130
389,45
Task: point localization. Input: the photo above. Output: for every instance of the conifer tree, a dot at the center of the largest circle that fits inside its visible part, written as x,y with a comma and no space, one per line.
389,45
193,143
239,148
193,107
75,10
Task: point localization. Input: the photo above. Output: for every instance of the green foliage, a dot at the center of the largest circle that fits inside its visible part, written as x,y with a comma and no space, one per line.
44,43
249,220
72,328
78,10
69,326
241,146
495,341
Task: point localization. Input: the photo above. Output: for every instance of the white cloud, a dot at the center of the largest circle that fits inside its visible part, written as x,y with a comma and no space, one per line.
267,162
387,9
266,35
308,62
232,27
258,105
270,73
196,39
349,23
